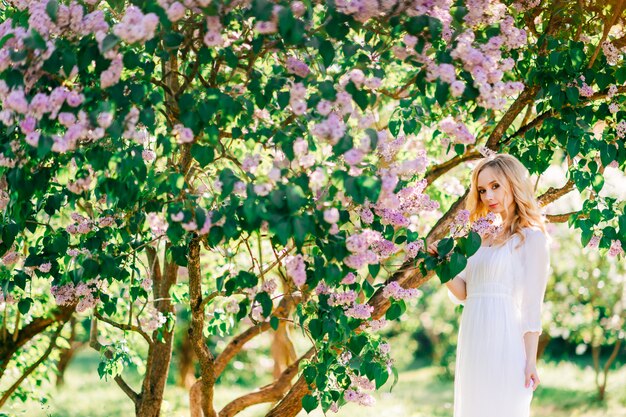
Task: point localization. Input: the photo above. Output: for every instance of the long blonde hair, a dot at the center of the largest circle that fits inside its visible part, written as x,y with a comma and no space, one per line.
527,213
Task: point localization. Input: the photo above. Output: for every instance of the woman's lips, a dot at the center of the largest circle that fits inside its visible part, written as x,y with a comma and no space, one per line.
493,205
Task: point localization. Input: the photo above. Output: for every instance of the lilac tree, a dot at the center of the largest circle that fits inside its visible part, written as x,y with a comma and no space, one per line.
286,155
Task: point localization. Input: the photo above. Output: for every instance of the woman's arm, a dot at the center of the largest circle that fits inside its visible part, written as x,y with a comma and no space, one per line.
531,341
457,288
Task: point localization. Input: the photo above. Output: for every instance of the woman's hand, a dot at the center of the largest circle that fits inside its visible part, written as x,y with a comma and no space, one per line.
531,376
432,249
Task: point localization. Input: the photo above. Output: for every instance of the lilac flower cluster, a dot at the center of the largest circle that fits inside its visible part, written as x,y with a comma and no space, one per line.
621,129
84,294
151,319
413,248
81,225
296,269
616,248
135,26
297,99
295,66
612,54
486,225
6,298
360,311
457,130
342,298
395,290
461,224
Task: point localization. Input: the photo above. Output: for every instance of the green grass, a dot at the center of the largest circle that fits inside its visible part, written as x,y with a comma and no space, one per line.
567,390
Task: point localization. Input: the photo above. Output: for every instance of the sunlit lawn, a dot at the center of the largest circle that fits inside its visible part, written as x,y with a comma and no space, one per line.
567,391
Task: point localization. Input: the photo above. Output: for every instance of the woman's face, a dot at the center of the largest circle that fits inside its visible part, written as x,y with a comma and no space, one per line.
497,197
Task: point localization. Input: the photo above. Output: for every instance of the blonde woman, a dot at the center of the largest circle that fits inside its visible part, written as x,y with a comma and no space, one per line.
502,291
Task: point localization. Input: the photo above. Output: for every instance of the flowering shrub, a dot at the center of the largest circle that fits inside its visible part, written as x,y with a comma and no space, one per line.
287,140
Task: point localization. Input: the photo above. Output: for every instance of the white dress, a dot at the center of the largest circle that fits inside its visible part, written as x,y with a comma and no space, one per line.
505,289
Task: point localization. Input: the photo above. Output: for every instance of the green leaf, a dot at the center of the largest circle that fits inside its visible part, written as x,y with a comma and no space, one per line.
572,94
620,74
203,154
442,92
295,198
52,9
109,42
5,38
266,303
173,40
274,322
327,51
315,328
573,146
470,244
24,305
445,246
396,310
597,182
309,403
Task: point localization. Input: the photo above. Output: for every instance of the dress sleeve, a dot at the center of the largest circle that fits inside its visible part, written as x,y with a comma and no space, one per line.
534,280
452,297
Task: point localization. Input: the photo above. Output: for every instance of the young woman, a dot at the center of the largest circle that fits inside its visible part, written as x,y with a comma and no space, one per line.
502,291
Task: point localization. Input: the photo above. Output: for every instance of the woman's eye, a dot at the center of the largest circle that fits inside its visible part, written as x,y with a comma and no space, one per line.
495,186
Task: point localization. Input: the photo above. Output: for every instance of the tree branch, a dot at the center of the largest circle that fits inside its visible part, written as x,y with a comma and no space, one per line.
124,327
106,351
237,343
269,393
32,367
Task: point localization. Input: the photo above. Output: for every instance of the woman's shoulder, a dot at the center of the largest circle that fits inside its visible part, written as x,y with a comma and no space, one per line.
535,236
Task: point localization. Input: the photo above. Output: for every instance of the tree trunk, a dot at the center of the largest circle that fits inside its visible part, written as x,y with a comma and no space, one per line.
67,354
186,369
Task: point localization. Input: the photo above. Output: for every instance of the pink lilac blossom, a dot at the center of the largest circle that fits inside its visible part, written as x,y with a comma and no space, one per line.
213,37
332,129
360,398
151,319
485,225
395,290
349,279
322,288
413,248
360,311
342,298
621,129
331,215
295,66
182,134
6,298
459,132
266,27
384,248
296,269
616,248
269,286
613,108
384,348
611,53
146,284
594,242
10,258
298,8
362,382
135,26
157,224
232,306
148,155
376,325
